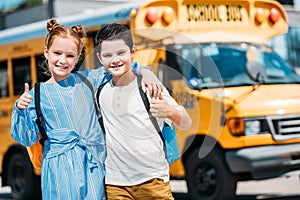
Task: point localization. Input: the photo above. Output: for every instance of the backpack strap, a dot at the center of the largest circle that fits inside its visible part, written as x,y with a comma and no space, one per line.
99,91
38,113
147,106
96,103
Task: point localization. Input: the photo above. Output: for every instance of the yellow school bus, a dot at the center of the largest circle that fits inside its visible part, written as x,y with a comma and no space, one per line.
213,57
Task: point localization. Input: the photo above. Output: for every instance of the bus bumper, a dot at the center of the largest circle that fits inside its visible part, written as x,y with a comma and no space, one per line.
265,161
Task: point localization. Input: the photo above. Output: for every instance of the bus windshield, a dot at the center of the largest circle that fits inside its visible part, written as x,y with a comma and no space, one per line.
224,65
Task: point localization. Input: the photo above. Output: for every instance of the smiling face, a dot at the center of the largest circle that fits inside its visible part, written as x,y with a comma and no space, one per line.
115,55
62,56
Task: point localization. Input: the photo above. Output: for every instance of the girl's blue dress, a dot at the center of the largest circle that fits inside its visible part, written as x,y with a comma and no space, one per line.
74,154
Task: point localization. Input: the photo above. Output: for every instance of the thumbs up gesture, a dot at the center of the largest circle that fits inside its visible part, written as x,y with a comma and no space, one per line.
25,99
160,107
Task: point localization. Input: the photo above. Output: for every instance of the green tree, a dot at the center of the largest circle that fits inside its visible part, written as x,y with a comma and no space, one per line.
28,3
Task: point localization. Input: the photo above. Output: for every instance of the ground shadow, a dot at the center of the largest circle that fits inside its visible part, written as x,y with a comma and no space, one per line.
5,196
185,196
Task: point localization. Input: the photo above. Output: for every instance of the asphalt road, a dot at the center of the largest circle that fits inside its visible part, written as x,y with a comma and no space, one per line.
283,188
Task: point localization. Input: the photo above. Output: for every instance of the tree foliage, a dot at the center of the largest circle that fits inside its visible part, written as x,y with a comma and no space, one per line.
28,4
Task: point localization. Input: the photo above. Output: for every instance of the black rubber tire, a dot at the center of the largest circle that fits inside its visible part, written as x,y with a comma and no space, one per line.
25,185
209,178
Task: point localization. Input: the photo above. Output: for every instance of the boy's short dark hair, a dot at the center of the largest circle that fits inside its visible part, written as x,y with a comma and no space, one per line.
114,31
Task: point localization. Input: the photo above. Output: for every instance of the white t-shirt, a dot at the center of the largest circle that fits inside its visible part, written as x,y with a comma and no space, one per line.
134,148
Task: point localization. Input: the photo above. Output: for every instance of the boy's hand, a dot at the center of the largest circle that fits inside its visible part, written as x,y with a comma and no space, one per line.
160,107
25,99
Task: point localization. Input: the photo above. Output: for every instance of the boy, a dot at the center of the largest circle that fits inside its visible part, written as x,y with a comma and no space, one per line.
136,167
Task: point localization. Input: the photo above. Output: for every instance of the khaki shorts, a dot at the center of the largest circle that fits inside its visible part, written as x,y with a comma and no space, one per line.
149,190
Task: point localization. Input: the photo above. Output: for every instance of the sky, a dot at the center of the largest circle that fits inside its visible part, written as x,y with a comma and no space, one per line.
5,4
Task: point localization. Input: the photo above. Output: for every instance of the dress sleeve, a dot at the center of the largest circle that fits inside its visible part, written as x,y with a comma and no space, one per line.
136,68
23,127
96,76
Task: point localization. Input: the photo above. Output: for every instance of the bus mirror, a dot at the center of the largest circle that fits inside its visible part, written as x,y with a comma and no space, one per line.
256,72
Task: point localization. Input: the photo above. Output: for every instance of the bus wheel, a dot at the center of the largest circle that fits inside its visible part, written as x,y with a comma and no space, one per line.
209,178
24,183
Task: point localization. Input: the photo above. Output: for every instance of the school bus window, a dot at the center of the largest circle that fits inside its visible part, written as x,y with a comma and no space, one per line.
196,65
186,60
218,65
191,62
40,64
288,46
277,70
226,59
93,53
21,74
3,79
80,65
293,42
173,62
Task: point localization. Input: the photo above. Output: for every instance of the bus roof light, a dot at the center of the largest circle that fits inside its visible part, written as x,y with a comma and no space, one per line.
168,15
152,15
260,15
274,15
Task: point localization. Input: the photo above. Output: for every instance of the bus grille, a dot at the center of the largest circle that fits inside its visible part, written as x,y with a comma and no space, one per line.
284,127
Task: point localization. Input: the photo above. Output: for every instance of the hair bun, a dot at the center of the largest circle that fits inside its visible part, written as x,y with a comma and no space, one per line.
51,25
79,30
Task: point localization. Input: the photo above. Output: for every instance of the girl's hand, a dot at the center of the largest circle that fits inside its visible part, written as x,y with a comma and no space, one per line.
25,99
151,83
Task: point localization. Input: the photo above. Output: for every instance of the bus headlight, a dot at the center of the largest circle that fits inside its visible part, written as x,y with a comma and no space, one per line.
252,127
248,126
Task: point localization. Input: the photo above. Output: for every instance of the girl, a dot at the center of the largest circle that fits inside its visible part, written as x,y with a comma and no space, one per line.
74,153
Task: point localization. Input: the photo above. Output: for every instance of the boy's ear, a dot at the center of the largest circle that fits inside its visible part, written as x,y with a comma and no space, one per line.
99,58
133,50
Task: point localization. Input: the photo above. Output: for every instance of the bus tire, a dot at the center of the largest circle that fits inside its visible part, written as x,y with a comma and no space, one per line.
209,178
25,185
